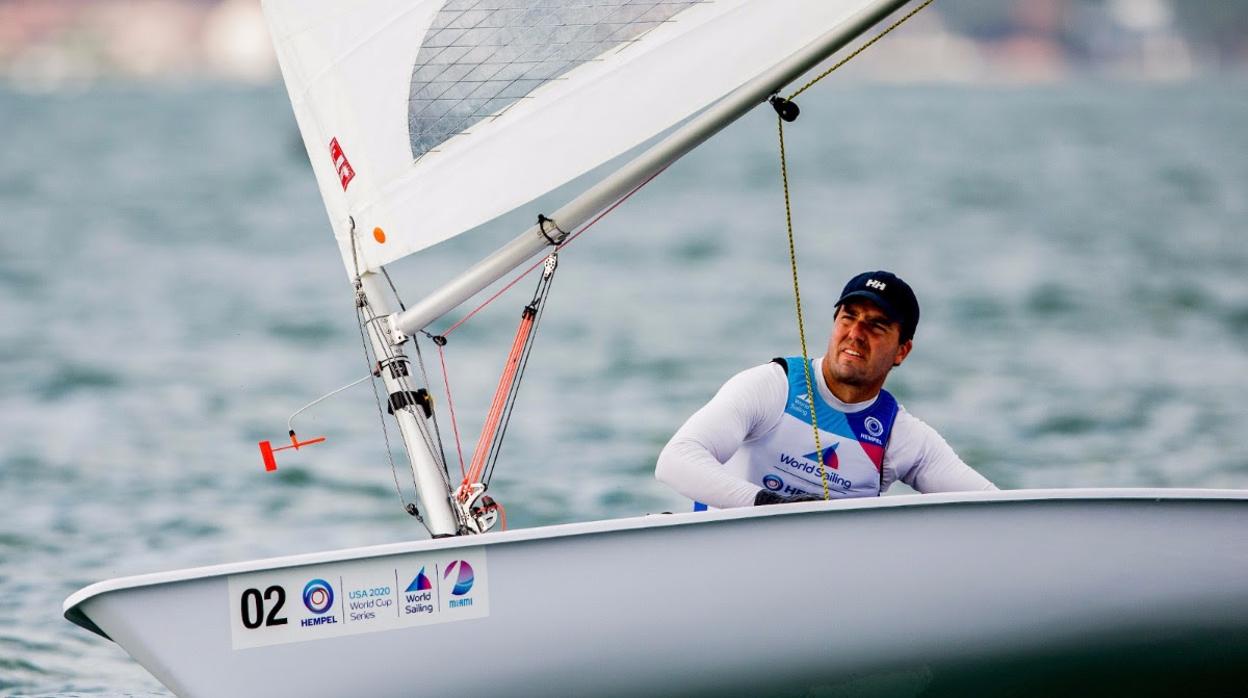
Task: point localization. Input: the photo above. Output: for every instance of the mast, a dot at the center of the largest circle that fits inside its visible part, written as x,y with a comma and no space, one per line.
578,211
412,410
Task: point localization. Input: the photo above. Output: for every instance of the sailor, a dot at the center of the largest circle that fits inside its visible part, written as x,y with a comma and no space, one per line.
754,442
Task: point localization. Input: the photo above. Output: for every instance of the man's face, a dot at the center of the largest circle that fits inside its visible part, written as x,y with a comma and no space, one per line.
865,345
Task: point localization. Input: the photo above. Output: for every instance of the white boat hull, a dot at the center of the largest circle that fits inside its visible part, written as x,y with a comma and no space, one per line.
910,593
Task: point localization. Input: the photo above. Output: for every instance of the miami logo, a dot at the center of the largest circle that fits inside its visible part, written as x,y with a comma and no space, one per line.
830,458
463,579
420,583
318,596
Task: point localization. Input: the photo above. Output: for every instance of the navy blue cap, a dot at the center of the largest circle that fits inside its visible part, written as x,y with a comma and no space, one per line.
887,290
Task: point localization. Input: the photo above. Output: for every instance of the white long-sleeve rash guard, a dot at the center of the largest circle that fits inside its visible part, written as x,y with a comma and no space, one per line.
751,404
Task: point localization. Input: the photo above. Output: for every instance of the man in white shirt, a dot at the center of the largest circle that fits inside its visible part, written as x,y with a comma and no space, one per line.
754,442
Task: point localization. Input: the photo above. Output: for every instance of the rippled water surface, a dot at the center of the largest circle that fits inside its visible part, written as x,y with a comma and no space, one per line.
170,293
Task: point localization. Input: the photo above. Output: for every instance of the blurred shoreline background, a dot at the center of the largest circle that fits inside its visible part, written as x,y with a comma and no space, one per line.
48,45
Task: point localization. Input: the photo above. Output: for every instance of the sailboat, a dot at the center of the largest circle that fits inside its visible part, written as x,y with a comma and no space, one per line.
425,119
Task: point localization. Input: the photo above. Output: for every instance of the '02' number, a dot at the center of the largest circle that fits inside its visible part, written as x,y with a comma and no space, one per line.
253,607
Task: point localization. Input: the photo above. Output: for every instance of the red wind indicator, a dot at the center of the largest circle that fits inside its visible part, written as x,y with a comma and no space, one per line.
267,450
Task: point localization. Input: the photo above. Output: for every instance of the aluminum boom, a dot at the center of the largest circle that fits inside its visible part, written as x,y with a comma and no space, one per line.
575,213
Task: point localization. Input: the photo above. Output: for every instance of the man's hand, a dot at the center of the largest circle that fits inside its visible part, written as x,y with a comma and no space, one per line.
769,497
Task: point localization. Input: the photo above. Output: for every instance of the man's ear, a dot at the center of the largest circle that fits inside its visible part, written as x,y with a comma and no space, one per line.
903,350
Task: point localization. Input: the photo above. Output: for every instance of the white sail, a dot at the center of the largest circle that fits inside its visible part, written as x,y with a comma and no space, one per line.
426,118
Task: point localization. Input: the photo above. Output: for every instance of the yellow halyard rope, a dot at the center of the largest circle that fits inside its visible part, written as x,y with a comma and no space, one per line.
788,221
801,325
860,49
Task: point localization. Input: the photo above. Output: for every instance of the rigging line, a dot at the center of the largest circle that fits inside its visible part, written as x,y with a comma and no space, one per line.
562,245
797,297
540,296
524,363
433,413
290,422
859,50
536,307
533,314
451,404
489,429
491,299
385,272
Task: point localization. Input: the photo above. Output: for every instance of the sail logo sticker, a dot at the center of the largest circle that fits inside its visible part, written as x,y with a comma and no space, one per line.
772,482
318,596
346,173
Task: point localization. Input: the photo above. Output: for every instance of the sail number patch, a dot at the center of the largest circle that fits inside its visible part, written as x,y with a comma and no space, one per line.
297,604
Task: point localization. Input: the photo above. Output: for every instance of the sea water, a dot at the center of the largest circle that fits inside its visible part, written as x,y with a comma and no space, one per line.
170,293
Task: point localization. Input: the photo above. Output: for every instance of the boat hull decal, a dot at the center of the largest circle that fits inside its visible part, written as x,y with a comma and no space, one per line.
276,607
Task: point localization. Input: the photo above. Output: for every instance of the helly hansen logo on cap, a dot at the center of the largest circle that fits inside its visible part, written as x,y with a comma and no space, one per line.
872,283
